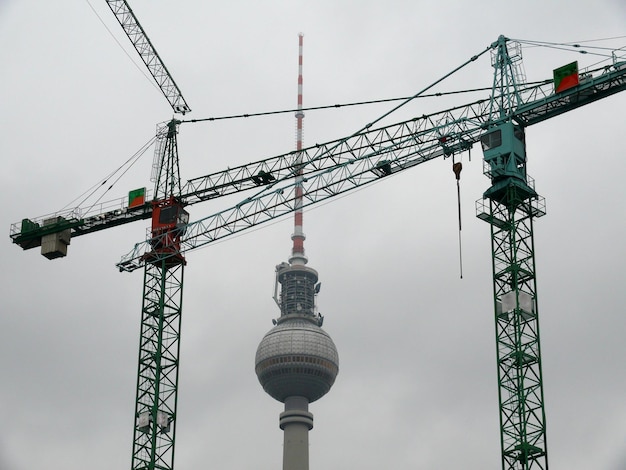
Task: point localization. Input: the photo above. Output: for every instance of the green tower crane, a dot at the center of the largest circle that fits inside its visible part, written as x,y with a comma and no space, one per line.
159,344
512,205
509,205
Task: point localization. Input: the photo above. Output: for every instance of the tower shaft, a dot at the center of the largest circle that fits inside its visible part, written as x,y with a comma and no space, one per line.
296,361
296,422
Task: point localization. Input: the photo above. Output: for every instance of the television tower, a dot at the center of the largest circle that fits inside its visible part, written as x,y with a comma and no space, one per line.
297,361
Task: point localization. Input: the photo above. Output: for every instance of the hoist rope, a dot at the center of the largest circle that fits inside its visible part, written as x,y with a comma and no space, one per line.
456,168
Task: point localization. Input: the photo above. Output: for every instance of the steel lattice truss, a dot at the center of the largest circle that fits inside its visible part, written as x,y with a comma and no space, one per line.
157,381
335,167
396,147
522,417
166,168
149,55
328,170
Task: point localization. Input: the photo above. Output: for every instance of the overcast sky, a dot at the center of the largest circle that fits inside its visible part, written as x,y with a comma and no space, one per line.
417,386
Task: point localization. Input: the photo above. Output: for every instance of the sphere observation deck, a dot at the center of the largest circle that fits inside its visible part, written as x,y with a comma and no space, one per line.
297,358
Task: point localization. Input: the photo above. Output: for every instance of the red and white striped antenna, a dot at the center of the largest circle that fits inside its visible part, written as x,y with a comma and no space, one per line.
297,252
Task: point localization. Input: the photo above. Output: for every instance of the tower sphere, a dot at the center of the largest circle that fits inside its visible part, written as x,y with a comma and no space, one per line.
297,358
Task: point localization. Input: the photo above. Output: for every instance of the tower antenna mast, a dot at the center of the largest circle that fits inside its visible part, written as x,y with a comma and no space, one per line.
296,361
297,253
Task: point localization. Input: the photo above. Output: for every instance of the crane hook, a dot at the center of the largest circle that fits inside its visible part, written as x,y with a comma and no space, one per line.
456,168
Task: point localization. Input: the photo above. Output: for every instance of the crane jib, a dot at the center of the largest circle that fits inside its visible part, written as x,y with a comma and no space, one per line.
461,132
142,44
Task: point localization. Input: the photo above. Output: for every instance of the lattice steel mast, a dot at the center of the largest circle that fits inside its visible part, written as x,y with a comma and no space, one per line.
159,344
161,311
510,205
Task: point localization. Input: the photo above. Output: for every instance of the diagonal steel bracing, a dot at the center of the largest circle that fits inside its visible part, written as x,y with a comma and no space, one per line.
157,377
522,417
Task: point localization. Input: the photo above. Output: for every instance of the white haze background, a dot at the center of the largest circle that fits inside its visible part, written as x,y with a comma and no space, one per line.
417,385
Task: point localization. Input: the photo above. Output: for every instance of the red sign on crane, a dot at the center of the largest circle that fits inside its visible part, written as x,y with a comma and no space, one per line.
565,77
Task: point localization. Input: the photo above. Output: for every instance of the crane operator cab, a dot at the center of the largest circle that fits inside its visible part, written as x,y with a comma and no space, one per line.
169,222
504,151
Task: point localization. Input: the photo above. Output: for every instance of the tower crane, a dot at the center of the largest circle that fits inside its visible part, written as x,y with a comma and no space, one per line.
510,205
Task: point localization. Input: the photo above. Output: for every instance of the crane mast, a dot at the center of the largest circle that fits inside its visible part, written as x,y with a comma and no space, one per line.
159,344
510,205
161,310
